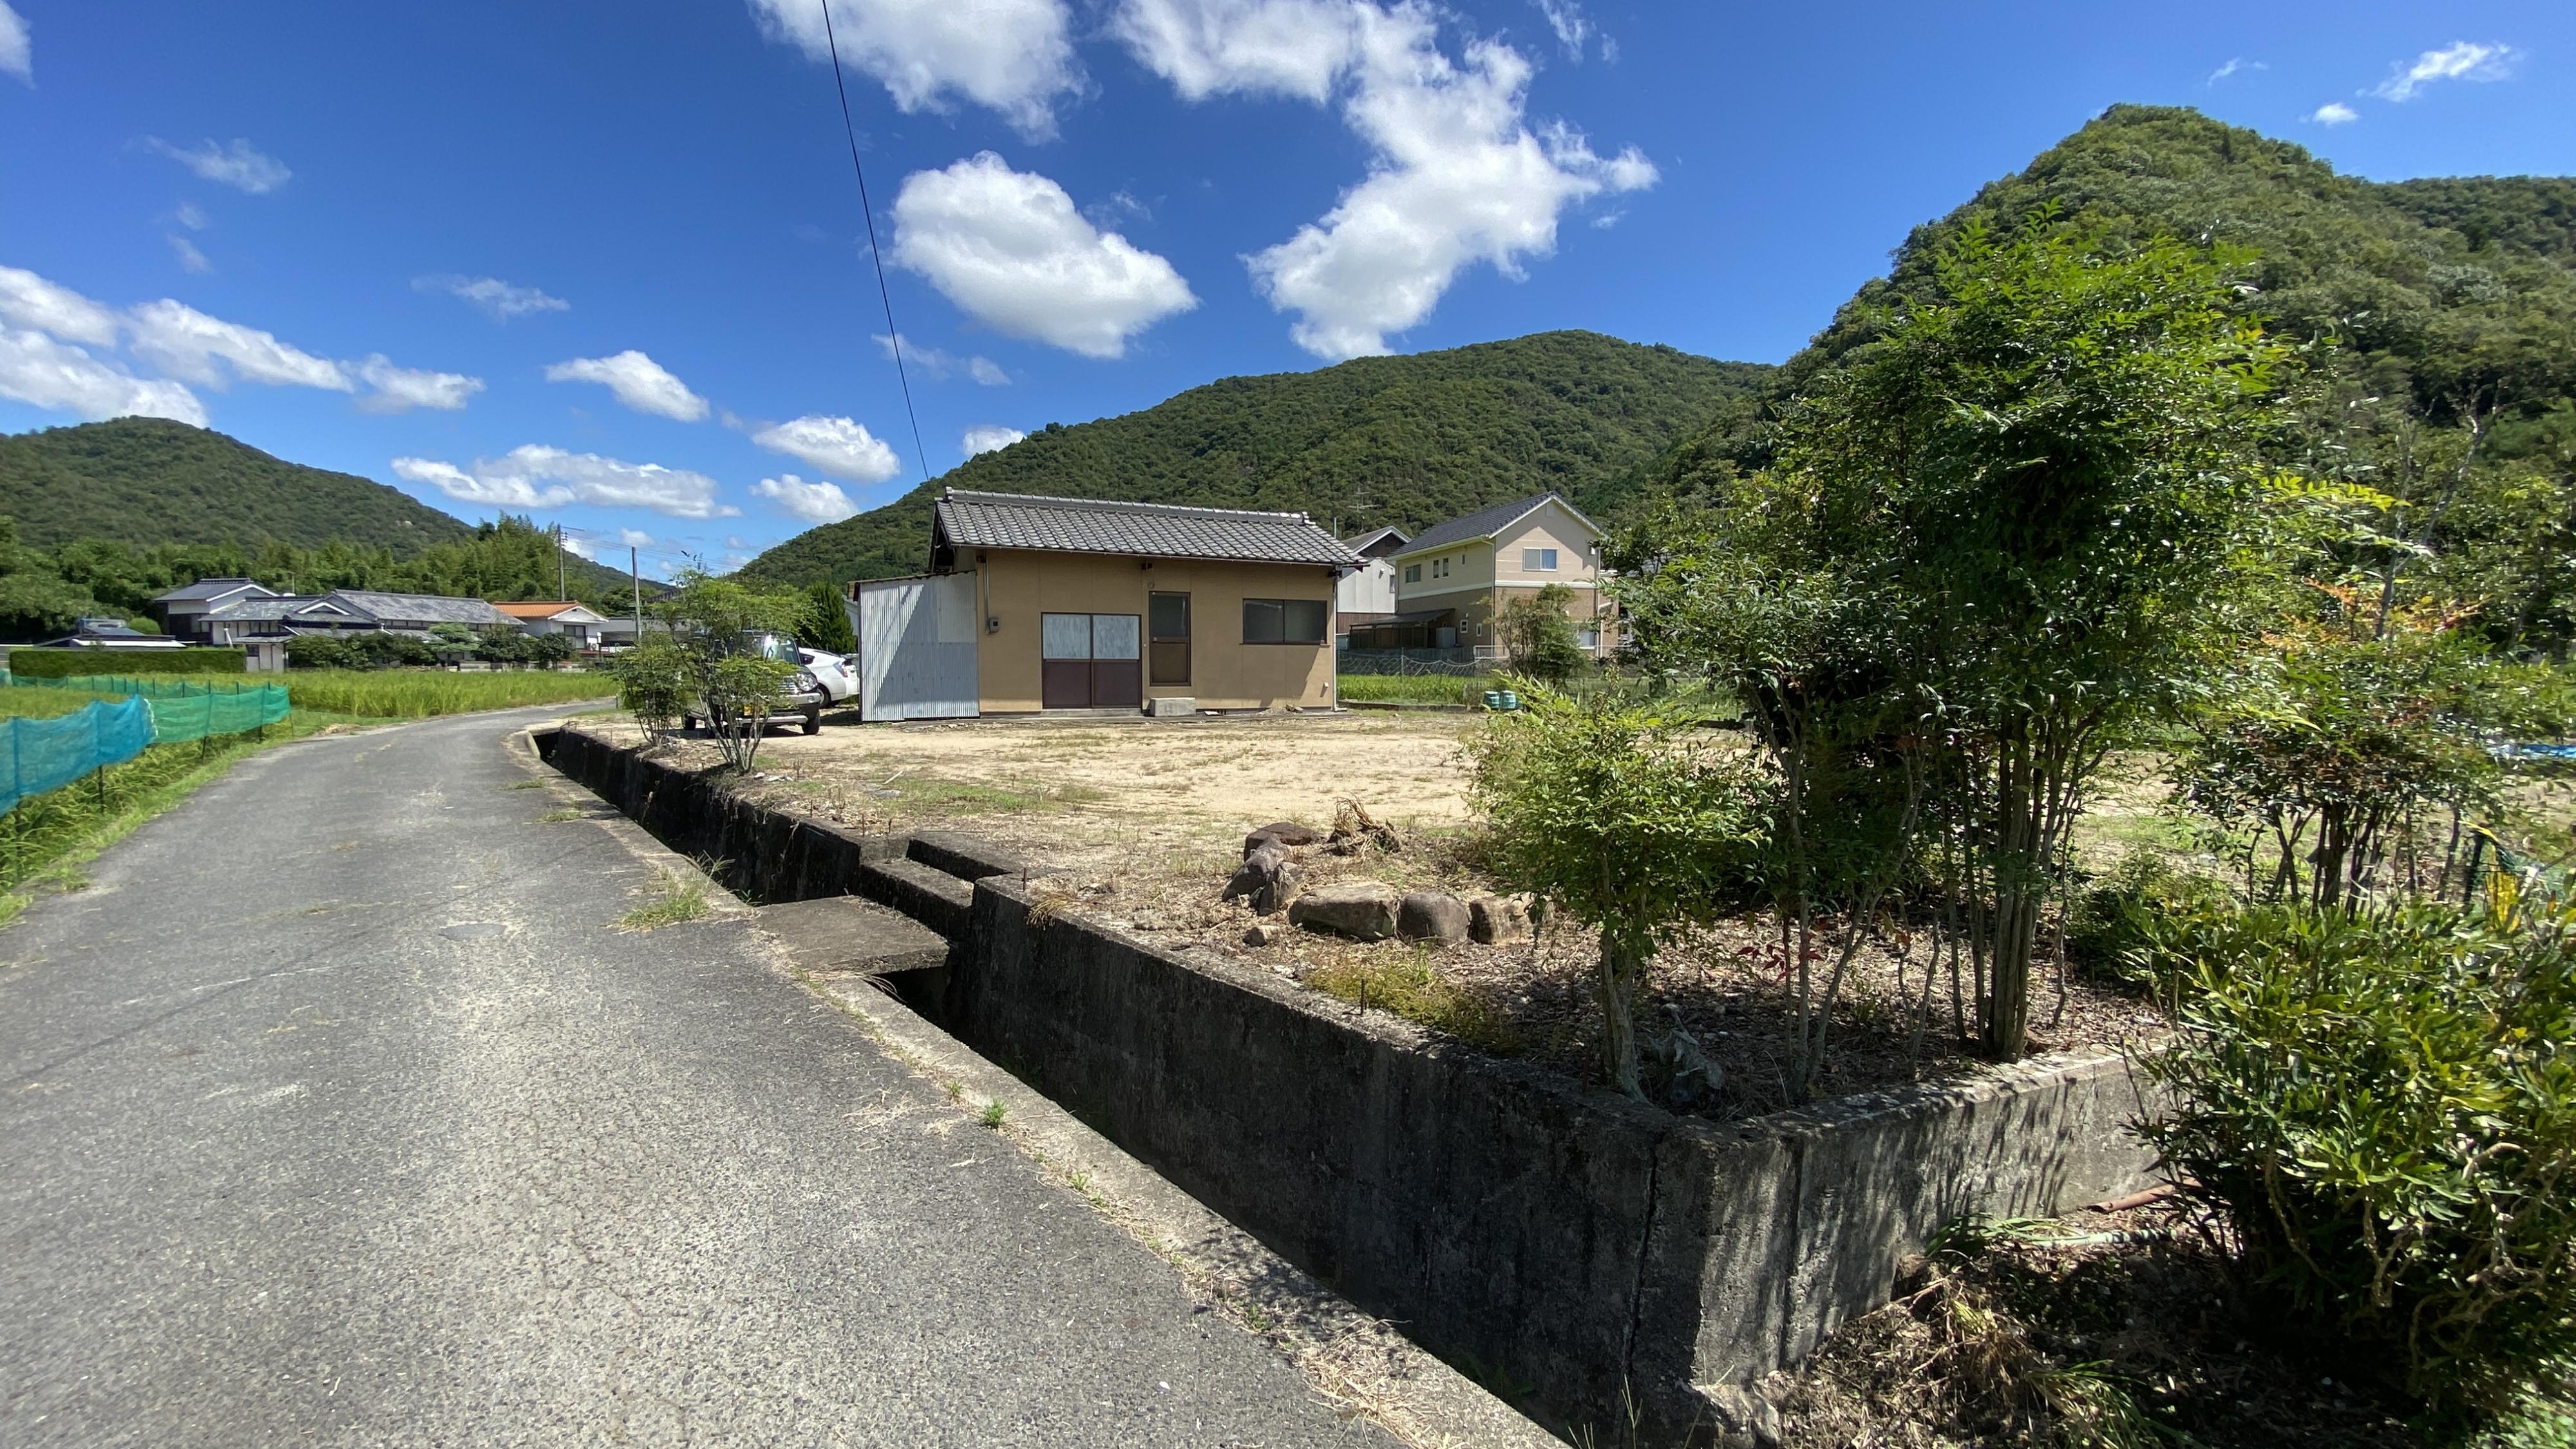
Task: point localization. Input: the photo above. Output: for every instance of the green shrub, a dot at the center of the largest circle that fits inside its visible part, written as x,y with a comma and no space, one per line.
65,663
2112,923
2384,1103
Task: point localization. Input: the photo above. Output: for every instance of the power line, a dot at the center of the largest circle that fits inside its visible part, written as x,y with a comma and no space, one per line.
894,338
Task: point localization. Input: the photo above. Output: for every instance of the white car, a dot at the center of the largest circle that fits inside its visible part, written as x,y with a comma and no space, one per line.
839,683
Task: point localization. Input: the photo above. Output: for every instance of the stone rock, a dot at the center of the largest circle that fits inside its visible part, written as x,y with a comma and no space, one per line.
1432,916
1362,910
1497,920
1267,879
1264,933
1744,1420
1284,832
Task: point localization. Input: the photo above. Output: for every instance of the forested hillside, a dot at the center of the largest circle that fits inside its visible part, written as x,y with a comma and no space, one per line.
1378,440
149,481
2437,321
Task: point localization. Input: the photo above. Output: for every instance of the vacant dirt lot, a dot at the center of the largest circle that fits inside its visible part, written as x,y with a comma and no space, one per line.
1138,823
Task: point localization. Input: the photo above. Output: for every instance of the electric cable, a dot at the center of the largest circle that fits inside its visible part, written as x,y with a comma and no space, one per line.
894,337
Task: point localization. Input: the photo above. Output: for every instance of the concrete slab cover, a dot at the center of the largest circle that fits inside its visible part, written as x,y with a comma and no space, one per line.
845,933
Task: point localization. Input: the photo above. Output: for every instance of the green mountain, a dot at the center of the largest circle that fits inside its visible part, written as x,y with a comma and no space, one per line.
1377,440
2442,313
148,480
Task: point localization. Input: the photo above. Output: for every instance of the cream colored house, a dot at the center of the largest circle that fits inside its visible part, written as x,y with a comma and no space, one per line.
1452,579
1036,604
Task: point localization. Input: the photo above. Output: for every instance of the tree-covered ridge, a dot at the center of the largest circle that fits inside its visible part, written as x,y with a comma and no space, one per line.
151,481
1406,441
2436,323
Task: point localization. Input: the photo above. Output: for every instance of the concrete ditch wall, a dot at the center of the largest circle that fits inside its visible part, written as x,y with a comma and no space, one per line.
1576,1251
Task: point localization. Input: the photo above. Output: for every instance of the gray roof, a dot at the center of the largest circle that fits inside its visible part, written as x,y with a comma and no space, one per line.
1148,530
1376,543
275,607
204,589
428,608
1485,523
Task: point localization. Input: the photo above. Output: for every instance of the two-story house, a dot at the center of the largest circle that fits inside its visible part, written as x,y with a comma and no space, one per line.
1452,578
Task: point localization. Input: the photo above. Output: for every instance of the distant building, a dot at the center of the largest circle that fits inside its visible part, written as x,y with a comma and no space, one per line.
1366,595
558,616
183,611
265,625
105,633
1452,578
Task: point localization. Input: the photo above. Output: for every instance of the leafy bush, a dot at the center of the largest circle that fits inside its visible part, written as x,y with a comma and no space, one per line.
653,683
66,663
827,622
2384,1103
359,651
2112,924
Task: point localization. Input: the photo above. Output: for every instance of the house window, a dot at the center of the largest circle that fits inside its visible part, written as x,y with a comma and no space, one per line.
1413,573
1283,621
1538,560
1440,568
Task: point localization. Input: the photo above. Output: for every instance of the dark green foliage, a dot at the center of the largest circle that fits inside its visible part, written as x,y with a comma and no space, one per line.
1538,636
144,481
359,651
2385,1105
71,663
2425,306
827,623
1407,441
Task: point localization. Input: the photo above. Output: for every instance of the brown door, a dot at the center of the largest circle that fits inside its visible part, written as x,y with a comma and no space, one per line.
1168,619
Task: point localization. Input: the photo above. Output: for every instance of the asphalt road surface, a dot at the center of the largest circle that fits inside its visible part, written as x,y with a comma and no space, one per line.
336,1111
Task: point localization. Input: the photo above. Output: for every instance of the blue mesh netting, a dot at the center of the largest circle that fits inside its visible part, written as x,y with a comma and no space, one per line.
47,754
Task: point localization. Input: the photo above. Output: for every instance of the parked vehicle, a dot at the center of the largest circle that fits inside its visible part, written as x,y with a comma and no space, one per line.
804,697
839,682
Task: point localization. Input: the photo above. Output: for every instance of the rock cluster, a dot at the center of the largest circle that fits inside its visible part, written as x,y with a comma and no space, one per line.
1367,910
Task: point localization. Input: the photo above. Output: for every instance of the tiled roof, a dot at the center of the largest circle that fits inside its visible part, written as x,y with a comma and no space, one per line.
1484,523
204,589
1147,530
422,608
258,609
1376,543
537,609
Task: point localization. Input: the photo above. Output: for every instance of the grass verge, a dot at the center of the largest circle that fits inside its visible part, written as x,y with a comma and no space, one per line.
1409,987
1413,688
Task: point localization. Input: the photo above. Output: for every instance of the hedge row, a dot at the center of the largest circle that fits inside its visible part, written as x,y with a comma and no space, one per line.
66,663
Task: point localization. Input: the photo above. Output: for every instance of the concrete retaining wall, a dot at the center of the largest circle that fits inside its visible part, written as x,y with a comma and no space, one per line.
1574,1250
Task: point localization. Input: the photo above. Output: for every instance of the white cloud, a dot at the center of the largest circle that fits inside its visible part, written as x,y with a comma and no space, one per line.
1009,248
1565,17
191,215
190,259
17,49
812,502
1014,56
37,370
989,438
2235,64
580,547
400,389
499,300
638,381
1208,47
1458,177
535,476
2460,60
186,343
634,538
239,165
31,301
938,366
2334,113
839,446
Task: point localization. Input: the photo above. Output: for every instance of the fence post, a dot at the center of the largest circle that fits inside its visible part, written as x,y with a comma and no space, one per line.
98,750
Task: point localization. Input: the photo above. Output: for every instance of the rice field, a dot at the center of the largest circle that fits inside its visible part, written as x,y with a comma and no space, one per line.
30,702
1414,688
420,693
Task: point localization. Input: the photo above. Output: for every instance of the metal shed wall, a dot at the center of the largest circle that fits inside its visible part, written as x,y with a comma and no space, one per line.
916,656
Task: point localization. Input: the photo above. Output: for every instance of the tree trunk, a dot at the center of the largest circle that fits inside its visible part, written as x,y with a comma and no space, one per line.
1622,965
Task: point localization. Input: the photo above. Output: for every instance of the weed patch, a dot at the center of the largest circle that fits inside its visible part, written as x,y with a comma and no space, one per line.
1408,986
674,900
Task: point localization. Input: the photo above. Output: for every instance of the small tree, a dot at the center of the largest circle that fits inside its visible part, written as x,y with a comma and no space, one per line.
453,644
1616,814
1537,635
718,626
827,622
653,683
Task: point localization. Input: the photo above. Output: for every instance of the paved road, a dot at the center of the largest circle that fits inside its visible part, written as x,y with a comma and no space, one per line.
335,1112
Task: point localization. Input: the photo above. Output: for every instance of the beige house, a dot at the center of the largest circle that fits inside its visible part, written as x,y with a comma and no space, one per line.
1452,579
1086,604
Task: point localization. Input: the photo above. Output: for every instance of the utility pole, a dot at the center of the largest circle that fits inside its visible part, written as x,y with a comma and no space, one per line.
635,575
560,586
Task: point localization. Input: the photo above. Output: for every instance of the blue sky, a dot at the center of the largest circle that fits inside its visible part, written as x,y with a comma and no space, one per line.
604,262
